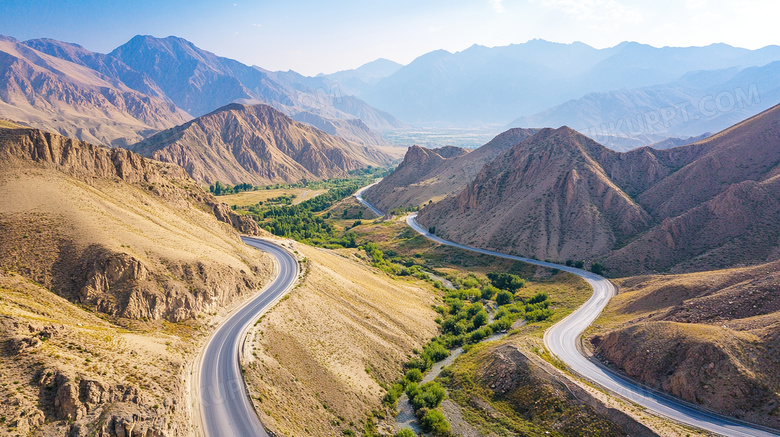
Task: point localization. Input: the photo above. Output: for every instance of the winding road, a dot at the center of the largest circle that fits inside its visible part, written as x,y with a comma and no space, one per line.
359,196
225,407
563,338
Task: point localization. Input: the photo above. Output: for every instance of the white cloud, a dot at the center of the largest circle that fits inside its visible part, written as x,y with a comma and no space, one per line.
498,5
257,25
695,4
434,29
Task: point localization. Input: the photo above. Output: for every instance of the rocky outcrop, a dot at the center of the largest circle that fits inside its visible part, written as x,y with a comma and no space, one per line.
82,159
710,366
118,284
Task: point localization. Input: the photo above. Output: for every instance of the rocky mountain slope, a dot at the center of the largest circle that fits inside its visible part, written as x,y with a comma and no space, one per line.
201,82
432,174
559,195
259,145
709,338
54,93
108,263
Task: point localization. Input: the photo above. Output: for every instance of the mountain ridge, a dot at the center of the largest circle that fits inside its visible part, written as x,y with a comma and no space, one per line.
258,145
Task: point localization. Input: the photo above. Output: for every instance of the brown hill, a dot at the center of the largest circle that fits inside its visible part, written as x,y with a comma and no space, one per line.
432,174
110,264
708,205
54,94
259,145
111,229
710,338
547,197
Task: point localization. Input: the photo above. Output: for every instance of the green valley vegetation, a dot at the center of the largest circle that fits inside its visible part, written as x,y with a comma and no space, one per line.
306,222
463,320
362,176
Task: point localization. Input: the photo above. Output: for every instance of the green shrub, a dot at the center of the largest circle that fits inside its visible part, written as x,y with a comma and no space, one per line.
435,422
406,432
506,281
504,298
413,375
489,291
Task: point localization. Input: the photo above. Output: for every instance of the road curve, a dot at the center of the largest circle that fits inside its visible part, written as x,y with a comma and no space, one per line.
563,337
359,196
225,407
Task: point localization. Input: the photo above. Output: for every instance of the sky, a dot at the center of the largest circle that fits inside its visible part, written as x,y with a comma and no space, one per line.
313,37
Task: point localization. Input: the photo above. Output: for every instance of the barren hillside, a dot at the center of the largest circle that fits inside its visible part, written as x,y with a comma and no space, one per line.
317,360
257,145
559,195
709,338
546,197
108,261
432,174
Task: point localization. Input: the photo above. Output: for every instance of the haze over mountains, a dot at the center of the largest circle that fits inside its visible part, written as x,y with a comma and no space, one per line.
523,79
96,96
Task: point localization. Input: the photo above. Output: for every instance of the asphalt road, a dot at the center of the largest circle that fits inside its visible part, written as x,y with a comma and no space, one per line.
563,337
359,197
225,408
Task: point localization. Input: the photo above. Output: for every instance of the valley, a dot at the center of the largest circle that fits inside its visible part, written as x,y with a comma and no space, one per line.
257,226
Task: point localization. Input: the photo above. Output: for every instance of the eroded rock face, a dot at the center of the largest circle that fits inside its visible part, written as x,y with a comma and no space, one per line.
704,365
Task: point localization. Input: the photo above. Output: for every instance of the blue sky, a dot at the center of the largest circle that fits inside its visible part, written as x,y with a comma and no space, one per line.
317,36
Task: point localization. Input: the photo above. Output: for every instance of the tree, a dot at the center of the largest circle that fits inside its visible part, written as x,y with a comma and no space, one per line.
406,432
489,291
480,319
597,268
506,281
504,298
432,230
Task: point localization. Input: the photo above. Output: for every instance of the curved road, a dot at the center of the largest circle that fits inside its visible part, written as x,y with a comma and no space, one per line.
563,337
359,196
225,407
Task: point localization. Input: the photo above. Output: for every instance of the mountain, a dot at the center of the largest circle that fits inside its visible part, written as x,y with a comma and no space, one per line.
200,82
670,143
559,195
546,197
354,82
258,145
110,264
72,98
527,78
432,174
704,101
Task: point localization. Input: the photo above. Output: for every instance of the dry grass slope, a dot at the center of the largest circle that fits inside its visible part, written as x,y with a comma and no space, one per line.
318,358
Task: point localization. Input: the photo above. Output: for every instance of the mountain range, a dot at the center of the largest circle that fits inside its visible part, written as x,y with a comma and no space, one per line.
150,84
559,195
698,102
502,83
